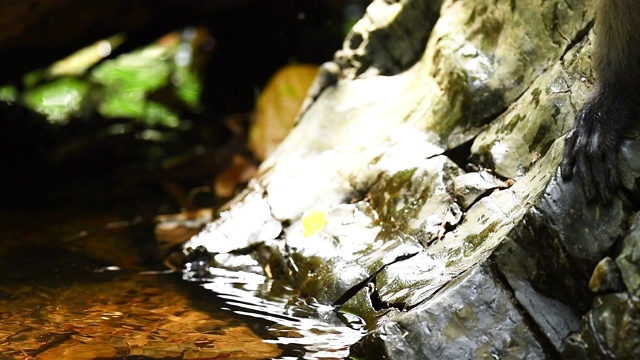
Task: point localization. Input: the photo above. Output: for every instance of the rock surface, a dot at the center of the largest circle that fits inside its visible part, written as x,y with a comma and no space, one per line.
419,191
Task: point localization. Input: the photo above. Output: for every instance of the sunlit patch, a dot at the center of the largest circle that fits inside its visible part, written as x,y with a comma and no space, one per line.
499,150
150,85
80,61
58,100
108,268
8,93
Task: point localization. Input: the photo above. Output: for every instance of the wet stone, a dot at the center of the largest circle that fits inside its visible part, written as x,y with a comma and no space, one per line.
485,225
407,24
564,212
237,262
473,317
606,277
630,154
361,305
528,267
247,222
417,201
443,264
609,330
412,280
629,259
344,253
404,211
468,188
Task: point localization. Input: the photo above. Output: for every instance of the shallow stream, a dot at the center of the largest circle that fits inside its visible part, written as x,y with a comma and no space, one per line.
97,296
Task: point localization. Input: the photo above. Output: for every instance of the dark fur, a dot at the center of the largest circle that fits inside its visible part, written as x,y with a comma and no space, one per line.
592,144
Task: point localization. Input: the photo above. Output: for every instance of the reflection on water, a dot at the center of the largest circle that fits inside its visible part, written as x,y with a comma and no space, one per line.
303,328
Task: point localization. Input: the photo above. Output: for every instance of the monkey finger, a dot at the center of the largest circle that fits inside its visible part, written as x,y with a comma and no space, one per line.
613,176
566,168
601,180
583,168
567,171
568,156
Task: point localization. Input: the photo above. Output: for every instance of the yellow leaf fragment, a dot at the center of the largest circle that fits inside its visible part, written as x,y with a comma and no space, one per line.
313,220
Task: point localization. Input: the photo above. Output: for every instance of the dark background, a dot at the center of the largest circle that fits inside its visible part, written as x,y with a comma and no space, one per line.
251,39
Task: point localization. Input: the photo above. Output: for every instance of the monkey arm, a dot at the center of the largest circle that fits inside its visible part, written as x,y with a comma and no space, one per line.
591,147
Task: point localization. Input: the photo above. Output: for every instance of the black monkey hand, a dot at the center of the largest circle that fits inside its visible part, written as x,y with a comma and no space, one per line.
591,147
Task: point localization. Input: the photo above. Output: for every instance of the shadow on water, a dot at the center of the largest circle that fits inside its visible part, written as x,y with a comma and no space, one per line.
58,302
